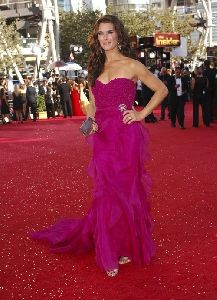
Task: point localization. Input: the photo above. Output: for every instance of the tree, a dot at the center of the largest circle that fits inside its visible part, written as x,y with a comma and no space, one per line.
74,29
138,23
148,22
168,21
155,20
9,46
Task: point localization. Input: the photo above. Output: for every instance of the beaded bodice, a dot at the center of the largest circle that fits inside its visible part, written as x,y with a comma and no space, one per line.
114,93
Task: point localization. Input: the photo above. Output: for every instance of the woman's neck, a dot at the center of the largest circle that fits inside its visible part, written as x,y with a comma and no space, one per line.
112,55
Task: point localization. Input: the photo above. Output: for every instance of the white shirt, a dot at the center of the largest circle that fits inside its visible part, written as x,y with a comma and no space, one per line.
139,85
45,88
179,89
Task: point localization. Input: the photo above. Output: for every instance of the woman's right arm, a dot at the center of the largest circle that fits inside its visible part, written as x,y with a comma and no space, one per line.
91,108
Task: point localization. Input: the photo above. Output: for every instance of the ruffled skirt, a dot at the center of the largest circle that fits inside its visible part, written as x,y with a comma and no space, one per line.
118,222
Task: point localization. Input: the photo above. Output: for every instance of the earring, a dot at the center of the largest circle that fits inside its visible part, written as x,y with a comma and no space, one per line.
119,47
100,49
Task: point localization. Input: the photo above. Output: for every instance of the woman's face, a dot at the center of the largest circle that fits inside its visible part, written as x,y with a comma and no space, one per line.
107,36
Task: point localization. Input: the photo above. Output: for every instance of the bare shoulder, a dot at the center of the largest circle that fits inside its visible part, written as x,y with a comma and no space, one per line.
139,72
136,67
132,62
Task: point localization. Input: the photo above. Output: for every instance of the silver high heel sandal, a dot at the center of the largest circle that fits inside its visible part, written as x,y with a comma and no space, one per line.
124,260
112,273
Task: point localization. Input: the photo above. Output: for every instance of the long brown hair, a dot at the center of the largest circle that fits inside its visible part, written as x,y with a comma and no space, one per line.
2,93
97,54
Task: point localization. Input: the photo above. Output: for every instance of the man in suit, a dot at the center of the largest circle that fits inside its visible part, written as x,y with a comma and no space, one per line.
178,87
146,96
210,74
165,78
31,98
65,99
48,97
42,88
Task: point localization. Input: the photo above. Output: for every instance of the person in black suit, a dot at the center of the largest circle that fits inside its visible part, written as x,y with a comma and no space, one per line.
65,99
165,78
178,87
42,88
31,99
210,74
146,96
48,97
199,86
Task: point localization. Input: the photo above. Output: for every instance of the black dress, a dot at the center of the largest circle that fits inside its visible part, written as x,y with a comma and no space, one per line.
4,107
17,102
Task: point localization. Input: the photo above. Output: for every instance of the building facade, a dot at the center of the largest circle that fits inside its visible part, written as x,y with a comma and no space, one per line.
61,4
128,5
38,24
205,10
80,5
214,22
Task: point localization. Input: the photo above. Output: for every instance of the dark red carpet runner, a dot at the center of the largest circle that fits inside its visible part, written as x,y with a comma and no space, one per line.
44,178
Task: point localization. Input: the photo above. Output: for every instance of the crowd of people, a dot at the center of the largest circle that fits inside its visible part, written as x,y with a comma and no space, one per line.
61,96
199,86
67,97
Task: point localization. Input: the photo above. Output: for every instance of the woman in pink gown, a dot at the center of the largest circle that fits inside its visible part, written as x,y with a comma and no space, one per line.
118,225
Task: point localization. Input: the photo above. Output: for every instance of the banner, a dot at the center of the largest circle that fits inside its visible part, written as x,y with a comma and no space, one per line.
167,39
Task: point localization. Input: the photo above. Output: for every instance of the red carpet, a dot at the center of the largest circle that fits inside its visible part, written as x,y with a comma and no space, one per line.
43,178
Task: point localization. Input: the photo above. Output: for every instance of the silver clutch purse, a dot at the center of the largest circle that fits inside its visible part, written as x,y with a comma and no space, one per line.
87,126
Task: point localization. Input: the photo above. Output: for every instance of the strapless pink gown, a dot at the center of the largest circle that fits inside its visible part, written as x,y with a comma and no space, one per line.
118,222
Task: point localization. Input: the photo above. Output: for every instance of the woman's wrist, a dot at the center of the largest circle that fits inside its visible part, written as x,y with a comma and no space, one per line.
144,113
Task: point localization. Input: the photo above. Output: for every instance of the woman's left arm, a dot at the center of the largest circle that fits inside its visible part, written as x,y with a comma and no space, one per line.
155,84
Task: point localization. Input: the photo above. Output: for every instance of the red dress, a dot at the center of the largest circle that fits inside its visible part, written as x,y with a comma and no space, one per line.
75,98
